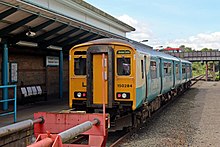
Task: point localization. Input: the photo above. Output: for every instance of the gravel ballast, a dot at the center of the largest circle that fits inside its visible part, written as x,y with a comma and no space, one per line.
191,120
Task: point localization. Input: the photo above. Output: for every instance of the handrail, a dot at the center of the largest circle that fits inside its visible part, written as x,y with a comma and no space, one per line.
12,99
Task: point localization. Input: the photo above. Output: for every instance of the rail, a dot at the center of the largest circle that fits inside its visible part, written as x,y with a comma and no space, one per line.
11,99
196,79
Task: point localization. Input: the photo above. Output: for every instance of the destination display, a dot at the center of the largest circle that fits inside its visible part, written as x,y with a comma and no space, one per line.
123,52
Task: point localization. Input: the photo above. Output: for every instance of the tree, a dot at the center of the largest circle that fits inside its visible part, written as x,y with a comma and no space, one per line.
206,49
185,49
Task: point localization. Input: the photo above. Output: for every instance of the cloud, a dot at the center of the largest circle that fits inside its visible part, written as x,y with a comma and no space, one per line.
142,32
199,41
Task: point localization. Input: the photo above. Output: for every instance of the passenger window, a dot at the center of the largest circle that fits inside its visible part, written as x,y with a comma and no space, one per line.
167,69
142,68
177,69
80,66
183,69
123,66
153,69
187,69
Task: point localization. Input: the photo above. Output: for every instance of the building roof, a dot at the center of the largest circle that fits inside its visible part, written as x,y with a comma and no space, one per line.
102,13
24,23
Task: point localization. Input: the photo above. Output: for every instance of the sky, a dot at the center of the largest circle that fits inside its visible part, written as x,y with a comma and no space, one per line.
193,23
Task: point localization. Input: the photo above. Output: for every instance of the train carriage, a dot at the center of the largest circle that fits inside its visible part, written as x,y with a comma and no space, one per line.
137,79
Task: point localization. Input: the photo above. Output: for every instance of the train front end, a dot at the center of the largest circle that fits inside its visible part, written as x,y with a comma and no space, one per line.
86,77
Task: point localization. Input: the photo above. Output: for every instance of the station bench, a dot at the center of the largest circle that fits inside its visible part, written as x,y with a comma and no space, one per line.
30,94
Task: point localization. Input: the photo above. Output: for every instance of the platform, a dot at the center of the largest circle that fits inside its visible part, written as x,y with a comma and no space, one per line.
26,111
191,120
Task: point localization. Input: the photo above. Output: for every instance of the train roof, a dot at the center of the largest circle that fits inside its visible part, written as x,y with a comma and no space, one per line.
145,49
185,61
138,46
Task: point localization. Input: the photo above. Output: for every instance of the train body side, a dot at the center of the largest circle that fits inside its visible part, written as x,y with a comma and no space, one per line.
137,75
164,74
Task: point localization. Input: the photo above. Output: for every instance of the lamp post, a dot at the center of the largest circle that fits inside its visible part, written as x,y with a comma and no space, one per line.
144,40
158,48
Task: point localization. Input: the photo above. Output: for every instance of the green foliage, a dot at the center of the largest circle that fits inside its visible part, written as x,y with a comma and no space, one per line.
189,49
198,68
206,49
185,49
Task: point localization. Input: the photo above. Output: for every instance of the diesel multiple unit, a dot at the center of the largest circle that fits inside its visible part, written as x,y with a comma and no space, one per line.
138,80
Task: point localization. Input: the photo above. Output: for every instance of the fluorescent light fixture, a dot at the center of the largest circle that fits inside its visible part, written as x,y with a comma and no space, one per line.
30,34
26,43
53,47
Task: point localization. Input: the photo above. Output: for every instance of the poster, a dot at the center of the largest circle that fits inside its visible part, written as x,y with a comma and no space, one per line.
14,72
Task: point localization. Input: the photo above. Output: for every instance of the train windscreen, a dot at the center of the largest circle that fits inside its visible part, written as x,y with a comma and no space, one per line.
123,66
80,66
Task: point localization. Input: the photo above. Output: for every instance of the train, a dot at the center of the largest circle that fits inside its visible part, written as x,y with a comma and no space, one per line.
138,79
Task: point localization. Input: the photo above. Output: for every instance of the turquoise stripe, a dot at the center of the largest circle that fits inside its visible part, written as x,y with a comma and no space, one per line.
140,95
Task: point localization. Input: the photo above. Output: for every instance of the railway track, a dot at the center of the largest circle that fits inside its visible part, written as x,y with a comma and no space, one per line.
119,141
196,79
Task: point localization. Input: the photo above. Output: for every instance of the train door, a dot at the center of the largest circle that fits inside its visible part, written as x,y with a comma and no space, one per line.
97,62
160,74
94,75
145,71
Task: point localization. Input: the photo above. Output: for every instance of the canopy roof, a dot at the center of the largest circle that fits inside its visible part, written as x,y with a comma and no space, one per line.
22,23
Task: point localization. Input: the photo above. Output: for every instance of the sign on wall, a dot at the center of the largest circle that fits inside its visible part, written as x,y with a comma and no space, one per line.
52,61
13,72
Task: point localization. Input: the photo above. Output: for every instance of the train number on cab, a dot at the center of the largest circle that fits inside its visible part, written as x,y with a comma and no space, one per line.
124,85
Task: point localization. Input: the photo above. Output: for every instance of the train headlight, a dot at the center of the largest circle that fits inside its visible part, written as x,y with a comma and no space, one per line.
79,94
124,95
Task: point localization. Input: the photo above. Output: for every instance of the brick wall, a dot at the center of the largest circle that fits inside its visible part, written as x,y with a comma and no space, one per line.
32,70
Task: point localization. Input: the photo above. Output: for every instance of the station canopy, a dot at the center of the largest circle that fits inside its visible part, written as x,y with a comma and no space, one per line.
22,24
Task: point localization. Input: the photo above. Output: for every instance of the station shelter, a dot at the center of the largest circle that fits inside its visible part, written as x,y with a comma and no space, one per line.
35,39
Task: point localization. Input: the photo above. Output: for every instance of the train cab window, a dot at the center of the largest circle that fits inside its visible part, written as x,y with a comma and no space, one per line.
153,69
80,66
123,66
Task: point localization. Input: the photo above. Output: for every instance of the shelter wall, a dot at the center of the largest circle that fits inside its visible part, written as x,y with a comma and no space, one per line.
32,70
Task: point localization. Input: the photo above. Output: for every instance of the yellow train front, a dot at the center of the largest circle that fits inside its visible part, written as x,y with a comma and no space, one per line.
86,77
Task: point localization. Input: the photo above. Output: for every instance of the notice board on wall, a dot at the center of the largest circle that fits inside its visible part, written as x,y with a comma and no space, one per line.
13,72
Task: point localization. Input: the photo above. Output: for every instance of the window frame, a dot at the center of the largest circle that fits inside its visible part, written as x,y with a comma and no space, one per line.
117,67
184,67
169,68
74,64
155,71
142,69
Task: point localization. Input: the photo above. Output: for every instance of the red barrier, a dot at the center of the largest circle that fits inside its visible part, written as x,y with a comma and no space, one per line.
56,123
